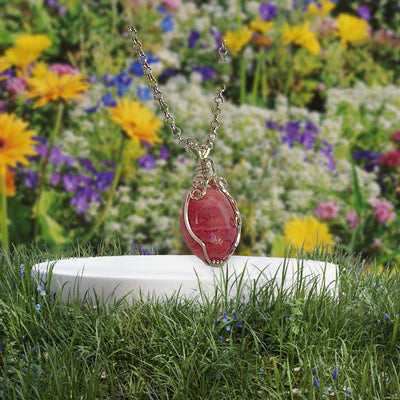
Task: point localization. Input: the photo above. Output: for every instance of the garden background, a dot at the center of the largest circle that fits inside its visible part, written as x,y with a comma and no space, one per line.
309,139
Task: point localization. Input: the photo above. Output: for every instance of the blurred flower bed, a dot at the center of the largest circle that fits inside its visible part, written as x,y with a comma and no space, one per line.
310,134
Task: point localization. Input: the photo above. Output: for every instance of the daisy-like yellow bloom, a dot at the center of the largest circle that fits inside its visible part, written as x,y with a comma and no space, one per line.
16,142
303,36
39,69
10,186
4,66
260,26
307,232
351,29
322,9
52,87
136,121
27,49
236,40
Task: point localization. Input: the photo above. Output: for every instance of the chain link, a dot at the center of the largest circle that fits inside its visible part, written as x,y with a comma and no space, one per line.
191,145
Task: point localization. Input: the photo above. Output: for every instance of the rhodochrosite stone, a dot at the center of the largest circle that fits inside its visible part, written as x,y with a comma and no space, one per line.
213,221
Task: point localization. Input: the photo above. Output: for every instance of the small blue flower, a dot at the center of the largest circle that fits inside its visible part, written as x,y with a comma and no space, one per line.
335,373
262,378
220,338
167,24
378,321
1,347
93,109
385,316
38,307
136,68
144,93
108,100
347,395
316,383
228,328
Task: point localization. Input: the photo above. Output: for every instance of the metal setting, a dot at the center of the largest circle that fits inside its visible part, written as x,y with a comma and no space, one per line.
205,170
206,175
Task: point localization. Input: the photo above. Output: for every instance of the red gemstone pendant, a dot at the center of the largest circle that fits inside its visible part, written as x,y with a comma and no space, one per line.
210,222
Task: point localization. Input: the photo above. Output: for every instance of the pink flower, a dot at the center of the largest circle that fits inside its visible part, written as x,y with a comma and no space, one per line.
383,211
377,244
171,4
390,159
396,138
327,211
352,218
62,69
16,85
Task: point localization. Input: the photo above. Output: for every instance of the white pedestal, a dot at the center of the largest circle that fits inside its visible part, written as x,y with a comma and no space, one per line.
160,277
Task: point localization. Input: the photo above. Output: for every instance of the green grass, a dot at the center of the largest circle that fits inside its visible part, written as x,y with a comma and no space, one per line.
277,345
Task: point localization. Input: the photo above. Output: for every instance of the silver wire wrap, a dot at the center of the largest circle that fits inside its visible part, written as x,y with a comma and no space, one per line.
191,145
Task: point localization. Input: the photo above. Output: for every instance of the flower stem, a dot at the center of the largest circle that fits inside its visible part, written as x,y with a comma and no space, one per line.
242,79
45,162
111,192
3,216
256,80
289,78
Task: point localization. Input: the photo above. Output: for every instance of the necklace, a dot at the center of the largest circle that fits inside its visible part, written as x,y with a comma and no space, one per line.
210,221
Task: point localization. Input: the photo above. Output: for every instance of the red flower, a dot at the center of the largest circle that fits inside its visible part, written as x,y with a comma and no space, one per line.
391,159
396,138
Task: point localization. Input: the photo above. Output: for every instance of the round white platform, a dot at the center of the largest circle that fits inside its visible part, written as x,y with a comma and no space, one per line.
160,277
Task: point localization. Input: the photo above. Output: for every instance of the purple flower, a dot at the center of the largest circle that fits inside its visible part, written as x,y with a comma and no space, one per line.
268,11
147,162
271,124
84,179
108,164
52,3
108,100
205,72
70,183
55,178
167,24
80,203
217,37
140,250
41,150
364,12
31,179
383,211
92,79
108,80
335,373
3,106
93,109
164,153
87,164
56,157
316,383
144,93
169,71
103,180
193,38
16,85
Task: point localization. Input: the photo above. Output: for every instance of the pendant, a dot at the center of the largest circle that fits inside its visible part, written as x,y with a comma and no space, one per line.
210,221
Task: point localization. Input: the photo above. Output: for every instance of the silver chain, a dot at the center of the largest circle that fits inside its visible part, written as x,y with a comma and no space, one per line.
191,145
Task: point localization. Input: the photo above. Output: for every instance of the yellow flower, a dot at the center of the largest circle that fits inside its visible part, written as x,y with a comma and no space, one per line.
258,25
10,186
303,36
321,9
39,69
52,86
351,29
4,66
236,40
27,49
15,142
307,232
137,122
